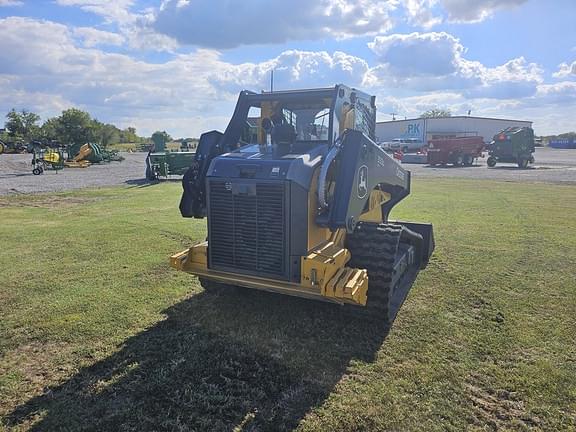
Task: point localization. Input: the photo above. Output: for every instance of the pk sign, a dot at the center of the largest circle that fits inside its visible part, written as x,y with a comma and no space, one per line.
413,129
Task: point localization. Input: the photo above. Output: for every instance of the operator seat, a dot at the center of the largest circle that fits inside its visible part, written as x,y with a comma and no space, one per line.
284,134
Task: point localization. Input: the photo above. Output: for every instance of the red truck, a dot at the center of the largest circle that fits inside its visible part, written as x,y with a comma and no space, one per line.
455,151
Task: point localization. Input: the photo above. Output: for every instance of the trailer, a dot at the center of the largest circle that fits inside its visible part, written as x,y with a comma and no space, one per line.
455,151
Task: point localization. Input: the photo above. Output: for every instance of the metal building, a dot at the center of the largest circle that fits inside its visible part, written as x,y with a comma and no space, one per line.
456,126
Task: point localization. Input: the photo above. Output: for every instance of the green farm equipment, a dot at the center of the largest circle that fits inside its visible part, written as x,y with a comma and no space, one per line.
44,159
15,147
163,163
83,155
512,145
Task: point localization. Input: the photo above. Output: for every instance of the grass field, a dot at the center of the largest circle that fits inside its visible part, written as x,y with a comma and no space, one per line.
98,333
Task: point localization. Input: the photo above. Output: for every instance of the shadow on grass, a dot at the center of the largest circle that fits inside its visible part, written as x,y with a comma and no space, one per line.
142,183
218,360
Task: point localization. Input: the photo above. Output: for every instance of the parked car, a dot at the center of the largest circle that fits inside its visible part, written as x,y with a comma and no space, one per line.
406,145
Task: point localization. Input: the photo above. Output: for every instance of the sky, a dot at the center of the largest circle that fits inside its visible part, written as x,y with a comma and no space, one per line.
178,65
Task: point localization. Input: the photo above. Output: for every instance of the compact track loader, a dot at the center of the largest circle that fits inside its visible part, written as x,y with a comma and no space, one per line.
297,196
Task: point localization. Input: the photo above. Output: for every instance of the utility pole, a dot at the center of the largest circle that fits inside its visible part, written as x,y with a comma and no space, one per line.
272,81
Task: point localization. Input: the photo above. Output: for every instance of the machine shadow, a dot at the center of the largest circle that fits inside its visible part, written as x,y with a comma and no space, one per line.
218,360
143,183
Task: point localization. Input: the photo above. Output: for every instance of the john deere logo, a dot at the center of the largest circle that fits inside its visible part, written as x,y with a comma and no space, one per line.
362,181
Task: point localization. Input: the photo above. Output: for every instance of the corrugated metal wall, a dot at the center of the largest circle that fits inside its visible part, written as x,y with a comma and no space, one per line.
460,126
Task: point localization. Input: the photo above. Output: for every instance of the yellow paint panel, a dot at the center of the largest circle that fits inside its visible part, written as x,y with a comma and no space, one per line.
374,213
316,235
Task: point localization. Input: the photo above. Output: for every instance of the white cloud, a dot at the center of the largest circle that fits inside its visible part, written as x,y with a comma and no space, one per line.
93,37
566,70
44,58
112,11
132,27
292,69
514,79
45,67
465,11
420,13
557,93
435,61
11,3
418,54
428,13
542,108
413,106
241,22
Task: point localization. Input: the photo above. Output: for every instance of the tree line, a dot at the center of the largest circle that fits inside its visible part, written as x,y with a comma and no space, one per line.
73,126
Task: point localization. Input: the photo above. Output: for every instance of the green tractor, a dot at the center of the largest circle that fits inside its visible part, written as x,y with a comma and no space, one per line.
163,163
512,145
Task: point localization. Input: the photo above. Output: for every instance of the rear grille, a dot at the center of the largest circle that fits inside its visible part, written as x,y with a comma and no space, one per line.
247,229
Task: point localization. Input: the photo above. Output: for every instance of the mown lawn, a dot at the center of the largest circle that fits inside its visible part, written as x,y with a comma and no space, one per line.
98,333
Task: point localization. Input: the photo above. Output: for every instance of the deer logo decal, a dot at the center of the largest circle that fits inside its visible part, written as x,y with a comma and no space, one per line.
362,181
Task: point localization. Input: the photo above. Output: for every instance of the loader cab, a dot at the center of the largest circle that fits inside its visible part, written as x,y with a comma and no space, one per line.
294,122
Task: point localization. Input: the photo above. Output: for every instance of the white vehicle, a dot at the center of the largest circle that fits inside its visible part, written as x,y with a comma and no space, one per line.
404,144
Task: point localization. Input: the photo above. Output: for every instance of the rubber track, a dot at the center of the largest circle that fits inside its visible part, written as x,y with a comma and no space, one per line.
373,247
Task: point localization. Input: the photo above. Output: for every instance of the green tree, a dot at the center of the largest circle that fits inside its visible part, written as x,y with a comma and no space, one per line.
436,112
129,135
78,127
75,127
105,133
50,129
22,124
160,138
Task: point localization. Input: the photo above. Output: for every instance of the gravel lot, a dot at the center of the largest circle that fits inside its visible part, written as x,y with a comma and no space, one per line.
16,175
552,166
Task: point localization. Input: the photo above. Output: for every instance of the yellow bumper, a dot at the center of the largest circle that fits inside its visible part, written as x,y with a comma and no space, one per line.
324,275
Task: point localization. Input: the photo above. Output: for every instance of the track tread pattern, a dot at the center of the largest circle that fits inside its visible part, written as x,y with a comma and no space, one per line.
373,247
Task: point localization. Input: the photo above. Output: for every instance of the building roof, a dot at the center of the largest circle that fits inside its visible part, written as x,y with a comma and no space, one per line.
454,117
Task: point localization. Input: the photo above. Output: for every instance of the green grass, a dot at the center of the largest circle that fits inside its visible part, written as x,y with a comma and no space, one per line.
98,333
125,147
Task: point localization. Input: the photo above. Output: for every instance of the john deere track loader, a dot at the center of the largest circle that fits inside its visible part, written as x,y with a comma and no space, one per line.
297,197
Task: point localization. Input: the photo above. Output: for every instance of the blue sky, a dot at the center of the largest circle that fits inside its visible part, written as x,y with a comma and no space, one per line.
178,65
